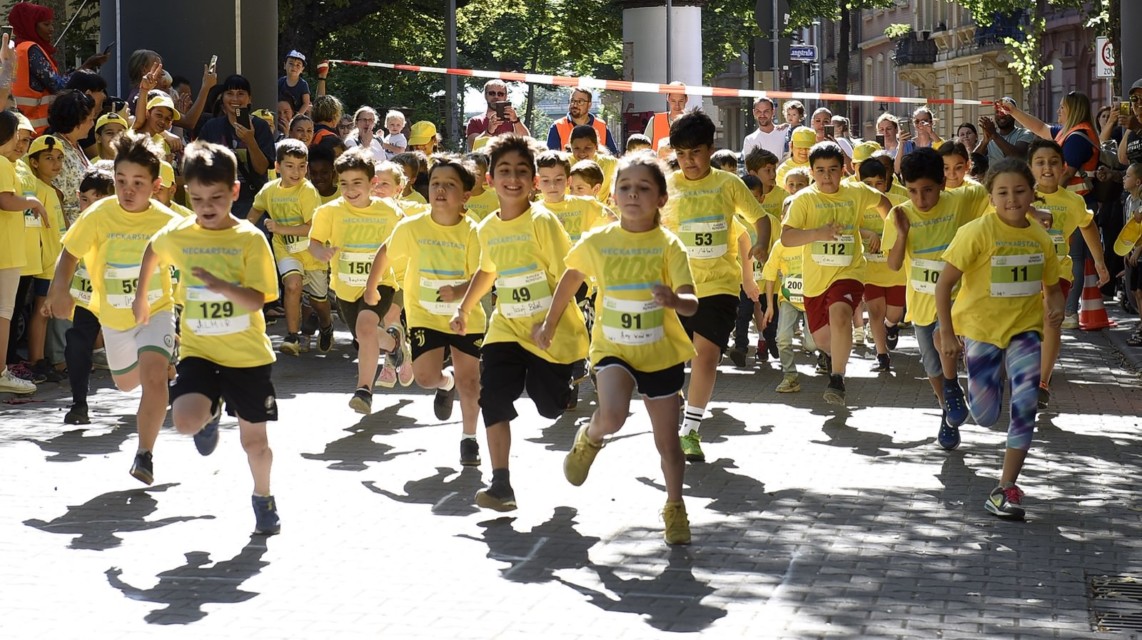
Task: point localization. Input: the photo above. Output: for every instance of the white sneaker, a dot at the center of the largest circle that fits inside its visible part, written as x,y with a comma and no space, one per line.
858,336
1071,322
11,384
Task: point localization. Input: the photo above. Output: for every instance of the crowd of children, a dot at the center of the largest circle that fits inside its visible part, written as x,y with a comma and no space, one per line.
517,270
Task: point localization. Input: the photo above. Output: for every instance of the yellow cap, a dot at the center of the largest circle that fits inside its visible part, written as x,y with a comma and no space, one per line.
421,132
864,151
803,138
266,115
163,101
25,123
44,143
166,174
110,118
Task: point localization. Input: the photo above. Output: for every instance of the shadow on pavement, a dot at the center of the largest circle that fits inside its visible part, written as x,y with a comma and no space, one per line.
73,445
729,493
355,451
98,520
536,555
185,589
446,497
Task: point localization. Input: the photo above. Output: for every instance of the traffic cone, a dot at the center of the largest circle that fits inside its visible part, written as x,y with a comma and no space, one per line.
1092,313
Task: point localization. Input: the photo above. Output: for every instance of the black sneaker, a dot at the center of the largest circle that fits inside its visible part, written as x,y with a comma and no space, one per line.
291,344
1044,397
737,356
325,339
580,371
948,436
573,397
835,392
49,373
883,363
144,467
442,404
362,401
77,414
824,363
267,522
498,496
773,352
469,452
892,334
207,437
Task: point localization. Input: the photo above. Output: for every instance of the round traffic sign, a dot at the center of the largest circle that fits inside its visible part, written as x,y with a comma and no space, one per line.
1107,54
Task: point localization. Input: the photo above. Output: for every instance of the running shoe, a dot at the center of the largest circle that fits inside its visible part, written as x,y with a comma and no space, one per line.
949,436
1071,321
387,376
762,350
9,383
362,401
578,462
24,372
497,496
573,397
49,373
883,363
954,404
1044,396
143,469
789,384
324,339
401,356
773,352
469,452
77,414
692,447
737,356
677,524
207,437
442,404
835,392
580,371
858,336
267,522
291,345
892,334
824,363
1006,503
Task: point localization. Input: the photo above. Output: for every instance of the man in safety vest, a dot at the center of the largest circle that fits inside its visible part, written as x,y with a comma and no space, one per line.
578,113
659,126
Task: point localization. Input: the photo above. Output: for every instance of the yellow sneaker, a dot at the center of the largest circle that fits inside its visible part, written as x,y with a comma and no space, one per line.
677,524
578,461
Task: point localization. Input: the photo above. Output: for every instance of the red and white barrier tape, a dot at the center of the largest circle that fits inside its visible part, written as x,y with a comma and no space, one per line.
651,87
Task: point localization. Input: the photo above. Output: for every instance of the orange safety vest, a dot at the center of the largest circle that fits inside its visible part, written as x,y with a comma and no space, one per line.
1081,183
661,129
564,126
33,104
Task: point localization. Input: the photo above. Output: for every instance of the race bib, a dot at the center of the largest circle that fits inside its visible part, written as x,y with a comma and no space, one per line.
925,275
430,299
705,239
122,282
1060,241
632,322
81,286
211,314
523,296
757,267
31,220
874,256
834,253
1016,276
793,289
296,244
354,268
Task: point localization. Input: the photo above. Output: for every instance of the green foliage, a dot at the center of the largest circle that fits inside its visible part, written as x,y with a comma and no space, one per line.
727,29
802,13
894,31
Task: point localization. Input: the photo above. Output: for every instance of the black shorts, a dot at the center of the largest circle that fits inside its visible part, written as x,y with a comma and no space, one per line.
506,369
248,391
421,340
650,384
714,321
350,310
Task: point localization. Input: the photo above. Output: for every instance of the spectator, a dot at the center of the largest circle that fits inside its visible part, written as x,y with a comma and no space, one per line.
364,135
292,85
1001,137
494,91
139,64
768,135
1130,146
579,114
659,126
327,112
253,146
794,113
821,117
968,135
70,118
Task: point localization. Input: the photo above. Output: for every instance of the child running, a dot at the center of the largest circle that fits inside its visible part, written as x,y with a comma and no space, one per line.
1005,261
227,277
442,254
110,238
884,291
644,281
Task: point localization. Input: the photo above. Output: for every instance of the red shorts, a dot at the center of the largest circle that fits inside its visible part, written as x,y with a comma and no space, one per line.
893,296
1066,286
817,307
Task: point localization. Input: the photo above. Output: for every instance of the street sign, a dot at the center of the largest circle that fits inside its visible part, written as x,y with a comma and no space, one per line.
803,53
1104,65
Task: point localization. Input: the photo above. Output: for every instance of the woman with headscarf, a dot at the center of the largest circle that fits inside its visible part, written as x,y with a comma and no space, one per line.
37,77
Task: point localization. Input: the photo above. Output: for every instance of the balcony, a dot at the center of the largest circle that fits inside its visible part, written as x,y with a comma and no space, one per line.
911,51
1002,26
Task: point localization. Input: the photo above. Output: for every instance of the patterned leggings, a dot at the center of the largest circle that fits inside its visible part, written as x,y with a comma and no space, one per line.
985,390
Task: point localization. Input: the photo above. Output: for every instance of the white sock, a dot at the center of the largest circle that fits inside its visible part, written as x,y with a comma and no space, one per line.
449,381
692,419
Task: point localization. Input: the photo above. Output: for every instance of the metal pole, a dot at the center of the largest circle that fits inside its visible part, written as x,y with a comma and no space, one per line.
450,83
776,47
669,41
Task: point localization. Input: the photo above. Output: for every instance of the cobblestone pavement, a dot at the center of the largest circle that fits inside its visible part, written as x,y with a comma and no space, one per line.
807,523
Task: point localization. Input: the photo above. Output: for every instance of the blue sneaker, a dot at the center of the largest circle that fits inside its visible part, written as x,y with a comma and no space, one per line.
207,437
955,407
266,515
949,436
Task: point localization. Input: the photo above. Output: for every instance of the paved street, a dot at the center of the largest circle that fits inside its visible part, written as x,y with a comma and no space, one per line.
806,523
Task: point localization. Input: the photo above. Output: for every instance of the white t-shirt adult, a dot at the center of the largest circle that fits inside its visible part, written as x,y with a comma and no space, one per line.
375,147
774,142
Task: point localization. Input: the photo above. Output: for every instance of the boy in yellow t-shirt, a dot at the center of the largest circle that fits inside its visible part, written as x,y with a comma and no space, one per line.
441,254
110,238
700,210
522,249
884,290
347,233
754,309
227,277
1069,213
164,193
782,272
577,214
916,235
825,221
45,159
1006,262
586,179
800,141
290,201
584,143
483,200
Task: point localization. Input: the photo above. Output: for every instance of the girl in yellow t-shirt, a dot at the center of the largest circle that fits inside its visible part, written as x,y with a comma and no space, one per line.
1004,260
644,281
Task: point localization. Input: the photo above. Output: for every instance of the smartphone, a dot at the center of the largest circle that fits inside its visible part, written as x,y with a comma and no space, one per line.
501,109
213,64
107,49
880,140
1124,109
830,130
242,115
904,128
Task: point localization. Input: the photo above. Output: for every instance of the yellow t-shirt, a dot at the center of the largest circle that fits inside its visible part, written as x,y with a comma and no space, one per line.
480,206
701,213
357,234
111,242
629,324
577,214
290,206
749,229
330,198
436,256
783,268
784,168
181,210
526,253
773,200
609,164
51,239
213,327
33,225
414,196
1005,269
412,207
876,270
12,251
1070,213
929,234
824,263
